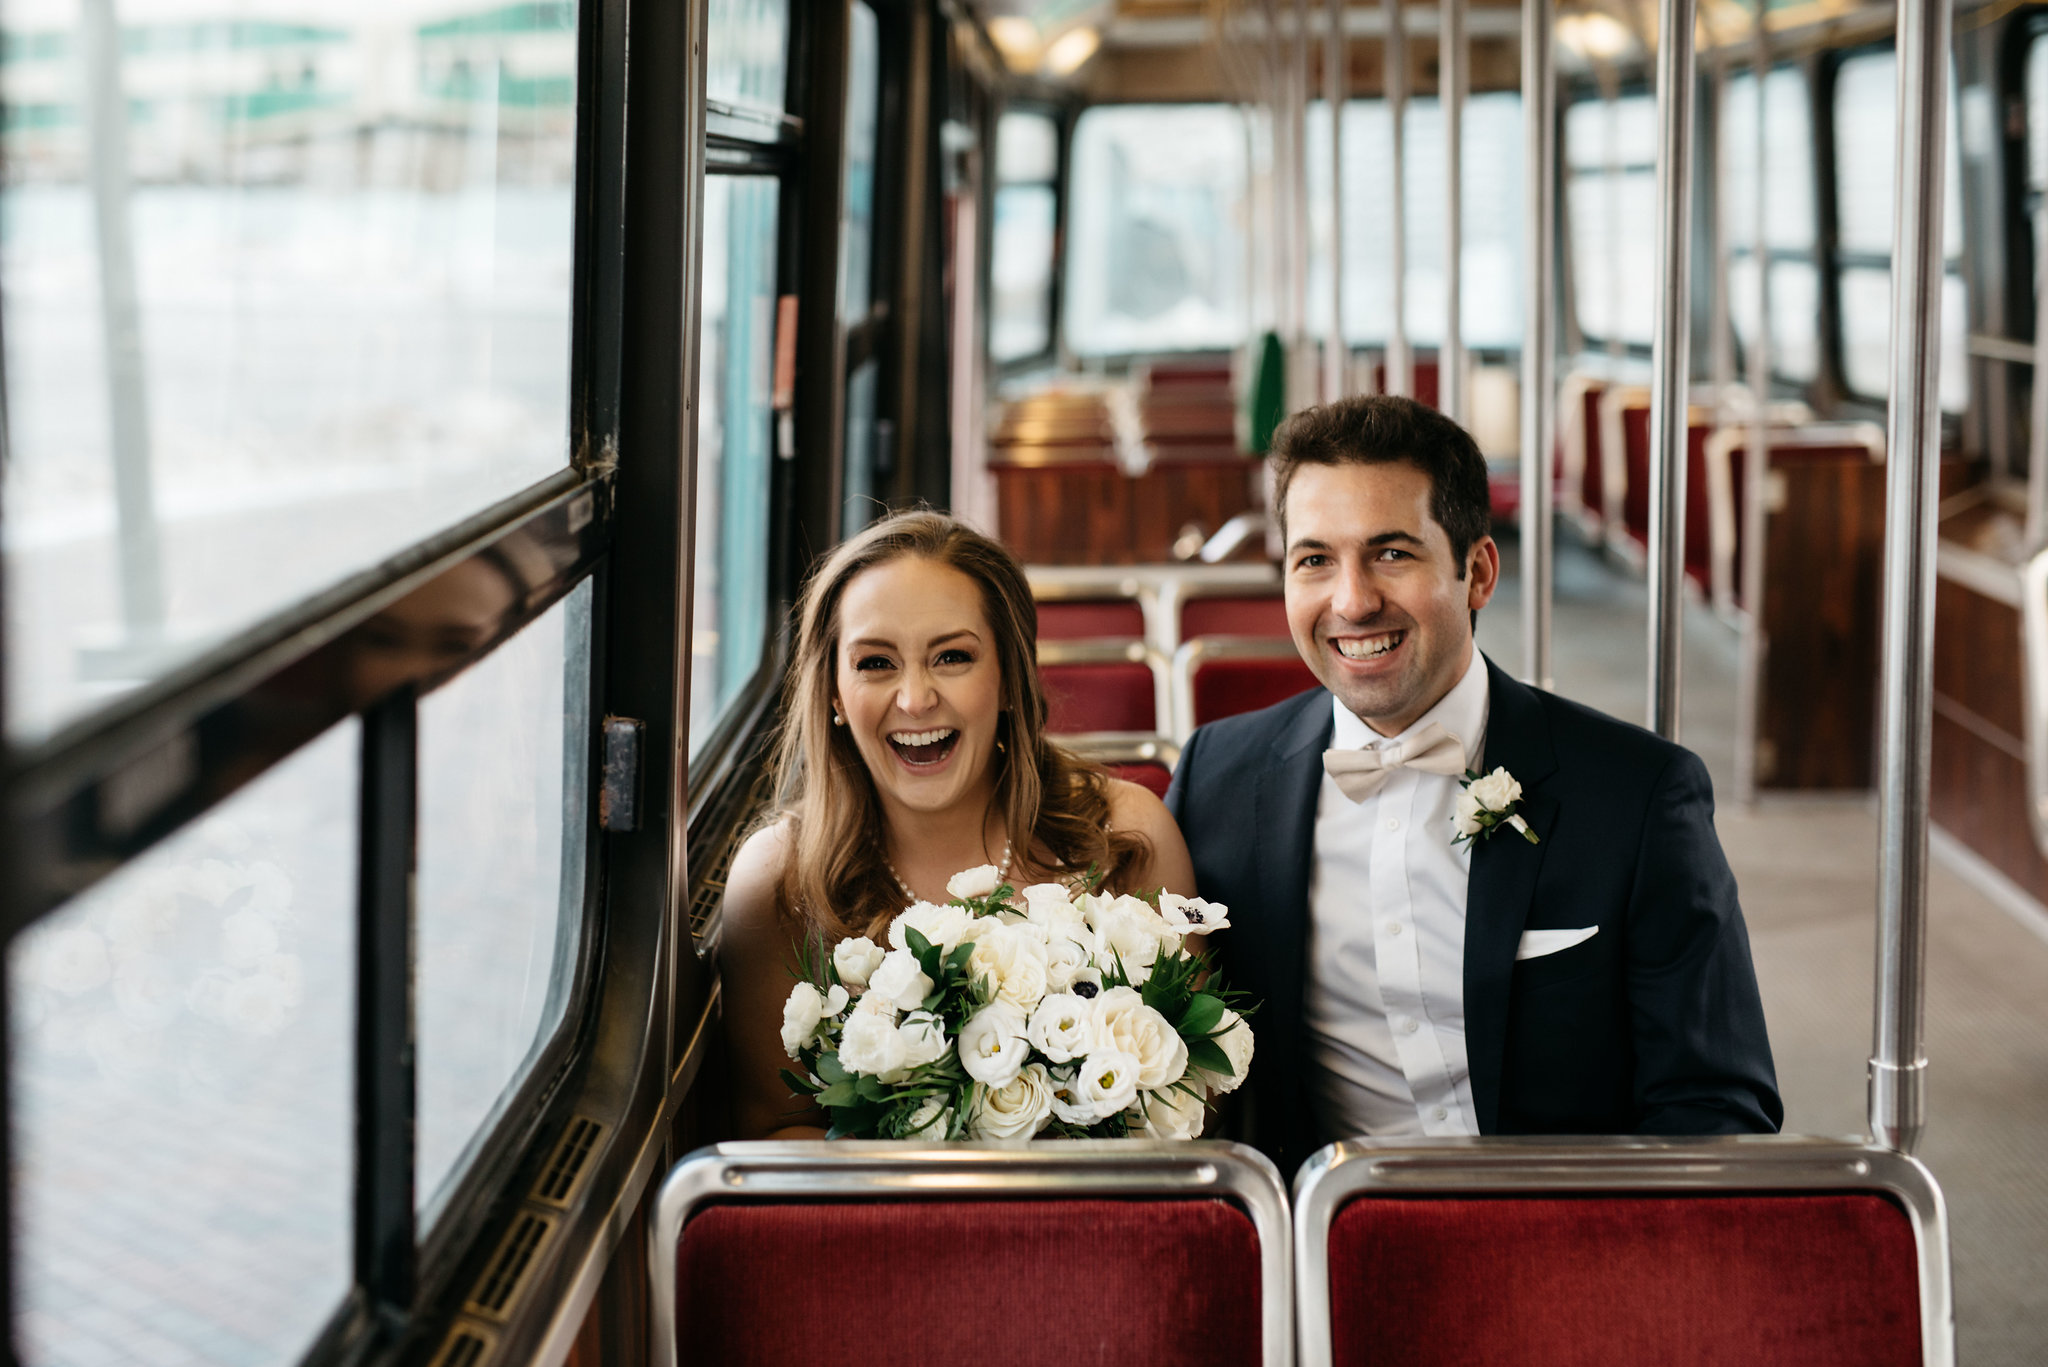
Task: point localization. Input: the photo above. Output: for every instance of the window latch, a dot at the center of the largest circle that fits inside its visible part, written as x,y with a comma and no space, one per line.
618,800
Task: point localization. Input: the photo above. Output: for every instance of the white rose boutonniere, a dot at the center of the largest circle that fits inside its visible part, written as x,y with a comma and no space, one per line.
1489,802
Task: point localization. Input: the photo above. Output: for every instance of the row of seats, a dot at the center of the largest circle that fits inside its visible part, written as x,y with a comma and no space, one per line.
1768,1251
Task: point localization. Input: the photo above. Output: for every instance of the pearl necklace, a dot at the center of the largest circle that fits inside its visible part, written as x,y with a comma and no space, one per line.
1002,874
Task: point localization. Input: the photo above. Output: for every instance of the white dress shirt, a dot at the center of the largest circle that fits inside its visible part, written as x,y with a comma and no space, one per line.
1386,988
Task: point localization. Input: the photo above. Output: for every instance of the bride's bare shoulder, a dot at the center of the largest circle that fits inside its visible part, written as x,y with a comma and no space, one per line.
752,901
1135,808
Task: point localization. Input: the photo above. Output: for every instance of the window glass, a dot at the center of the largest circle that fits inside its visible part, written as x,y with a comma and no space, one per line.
1611,203
1795,309
863,115
1866,129
183,1086
504,789
1490,299
1027,148
1022,246
746,53
1621,132
1866,335
862,432
736,356
2037,114
1788,162
298,299
1156,245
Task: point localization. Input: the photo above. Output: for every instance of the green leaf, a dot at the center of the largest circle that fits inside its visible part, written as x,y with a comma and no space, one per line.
962,952
1208,1055
872,1089
914,937
798,1086
831,1069
1204,1014
840,1094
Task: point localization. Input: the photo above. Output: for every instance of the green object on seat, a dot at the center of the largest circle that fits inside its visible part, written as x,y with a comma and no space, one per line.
1269,393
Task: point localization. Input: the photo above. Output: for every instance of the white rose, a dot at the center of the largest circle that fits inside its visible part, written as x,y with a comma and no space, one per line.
871,1044
247,938
1063,1027
1497,792
1169,1113
1129,1026
900,981
1192,915
992,1044
1106,1082
1049,905
1236,1043
979,881
932,1119
1017,1110
800,1017
1013,961
1465,814
856,960
924,1039
73,960
944,926
1065,957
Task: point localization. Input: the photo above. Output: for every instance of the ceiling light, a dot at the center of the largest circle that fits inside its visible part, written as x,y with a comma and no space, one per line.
1598,36
1071,50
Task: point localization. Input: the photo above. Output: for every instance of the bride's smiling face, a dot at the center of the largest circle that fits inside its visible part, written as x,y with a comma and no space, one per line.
917,681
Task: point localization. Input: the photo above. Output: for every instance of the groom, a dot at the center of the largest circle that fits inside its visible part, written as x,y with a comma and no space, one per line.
1590,975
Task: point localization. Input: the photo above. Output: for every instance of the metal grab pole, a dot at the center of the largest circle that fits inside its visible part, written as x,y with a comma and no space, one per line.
1451,79
1539,331
1395,74
1756,458
1336,89
1898,1060
1671,358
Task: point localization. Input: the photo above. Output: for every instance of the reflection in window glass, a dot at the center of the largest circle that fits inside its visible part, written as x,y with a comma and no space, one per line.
746,52
183,1086
503,797
1020,272
736,356
1490,294
1155,257
299,298
863,120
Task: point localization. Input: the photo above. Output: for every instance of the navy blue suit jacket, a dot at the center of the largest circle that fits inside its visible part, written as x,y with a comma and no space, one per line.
1652,1026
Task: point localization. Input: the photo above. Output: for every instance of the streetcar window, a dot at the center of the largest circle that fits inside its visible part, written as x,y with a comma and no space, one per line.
1790,225
1610,150
736,358
862,436
1026,217
1490,299
283,298
746,53
1155,239
503,801
182,1086
1865,128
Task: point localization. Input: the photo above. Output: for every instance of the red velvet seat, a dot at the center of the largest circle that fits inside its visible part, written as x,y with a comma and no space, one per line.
1108,695
1635,498
1221,676
1144,760
1422,376
1146,774
1220,614
1082,619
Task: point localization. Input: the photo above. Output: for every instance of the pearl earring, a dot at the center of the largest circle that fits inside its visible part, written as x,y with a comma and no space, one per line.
838,720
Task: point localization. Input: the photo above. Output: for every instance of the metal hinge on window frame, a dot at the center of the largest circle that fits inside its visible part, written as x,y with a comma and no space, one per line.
618,799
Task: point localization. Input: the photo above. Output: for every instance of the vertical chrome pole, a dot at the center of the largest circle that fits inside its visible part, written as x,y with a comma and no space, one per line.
1297,195
1451,81
1539,331
1756,457
1671,356
1898,1060
1336,89
2037,431
1400,368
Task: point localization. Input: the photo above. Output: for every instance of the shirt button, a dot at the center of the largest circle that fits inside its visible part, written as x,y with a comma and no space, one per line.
1393,823
1439,1113
1409,1025
1393,927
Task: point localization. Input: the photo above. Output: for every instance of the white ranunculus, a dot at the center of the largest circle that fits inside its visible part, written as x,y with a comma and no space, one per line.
933,1119
1016,1110
924,1039
1106,1082
1169,1113
1050,905
856,959
900,981
1236,1043
1192,915
1064,958
1013,961
1063,1027
871,1044
992,1044
1129,1026
945,926
1465,814
800,1017
1497,792
979,881
875,1004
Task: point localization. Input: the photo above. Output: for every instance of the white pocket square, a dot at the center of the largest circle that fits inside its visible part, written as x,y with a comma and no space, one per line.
1537,943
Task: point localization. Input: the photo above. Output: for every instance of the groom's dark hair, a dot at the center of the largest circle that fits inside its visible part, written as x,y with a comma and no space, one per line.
1376,429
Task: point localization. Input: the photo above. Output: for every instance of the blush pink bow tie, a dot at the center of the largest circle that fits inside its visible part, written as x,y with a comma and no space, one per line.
1359,773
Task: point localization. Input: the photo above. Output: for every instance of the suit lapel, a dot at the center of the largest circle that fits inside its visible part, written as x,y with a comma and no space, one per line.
1285,828
1502,883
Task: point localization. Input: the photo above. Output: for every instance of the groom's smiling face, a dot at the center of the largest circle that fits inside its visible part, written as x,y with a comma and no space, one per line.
1379,604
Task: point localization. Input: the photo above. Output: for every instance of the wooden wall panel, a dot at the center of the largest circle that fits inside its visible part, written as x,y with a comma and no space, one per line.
1070,513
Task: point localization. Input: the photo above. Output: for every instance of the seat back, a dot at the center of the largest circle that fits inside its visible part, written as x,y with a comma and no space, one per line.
1102,686
1085,619
1145,760
1218,614
873,1253
1814,1253
1221,676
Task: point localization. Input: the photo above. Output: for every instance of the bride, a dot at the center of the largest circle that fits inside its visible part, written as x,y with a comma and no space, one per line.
913,747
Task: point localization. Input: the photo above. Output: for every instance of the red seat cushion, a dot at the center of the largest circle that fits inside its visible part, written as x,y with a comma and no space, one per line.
1223,688
1146,773
1116,695
1089,619
995,1283
1816,1281
1229,615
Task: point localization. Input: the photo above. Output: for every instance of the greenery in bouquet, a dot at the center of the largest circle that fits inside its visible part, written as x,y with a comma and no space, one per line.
1053,1010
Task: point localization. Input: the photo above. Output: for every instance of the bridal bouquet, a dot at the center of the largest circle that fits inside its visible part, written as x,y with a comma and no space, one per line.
1005,1014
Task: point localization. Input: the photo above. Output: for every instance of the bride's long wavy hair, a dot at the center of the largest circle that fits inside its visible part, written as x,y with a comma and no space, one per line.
836,879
